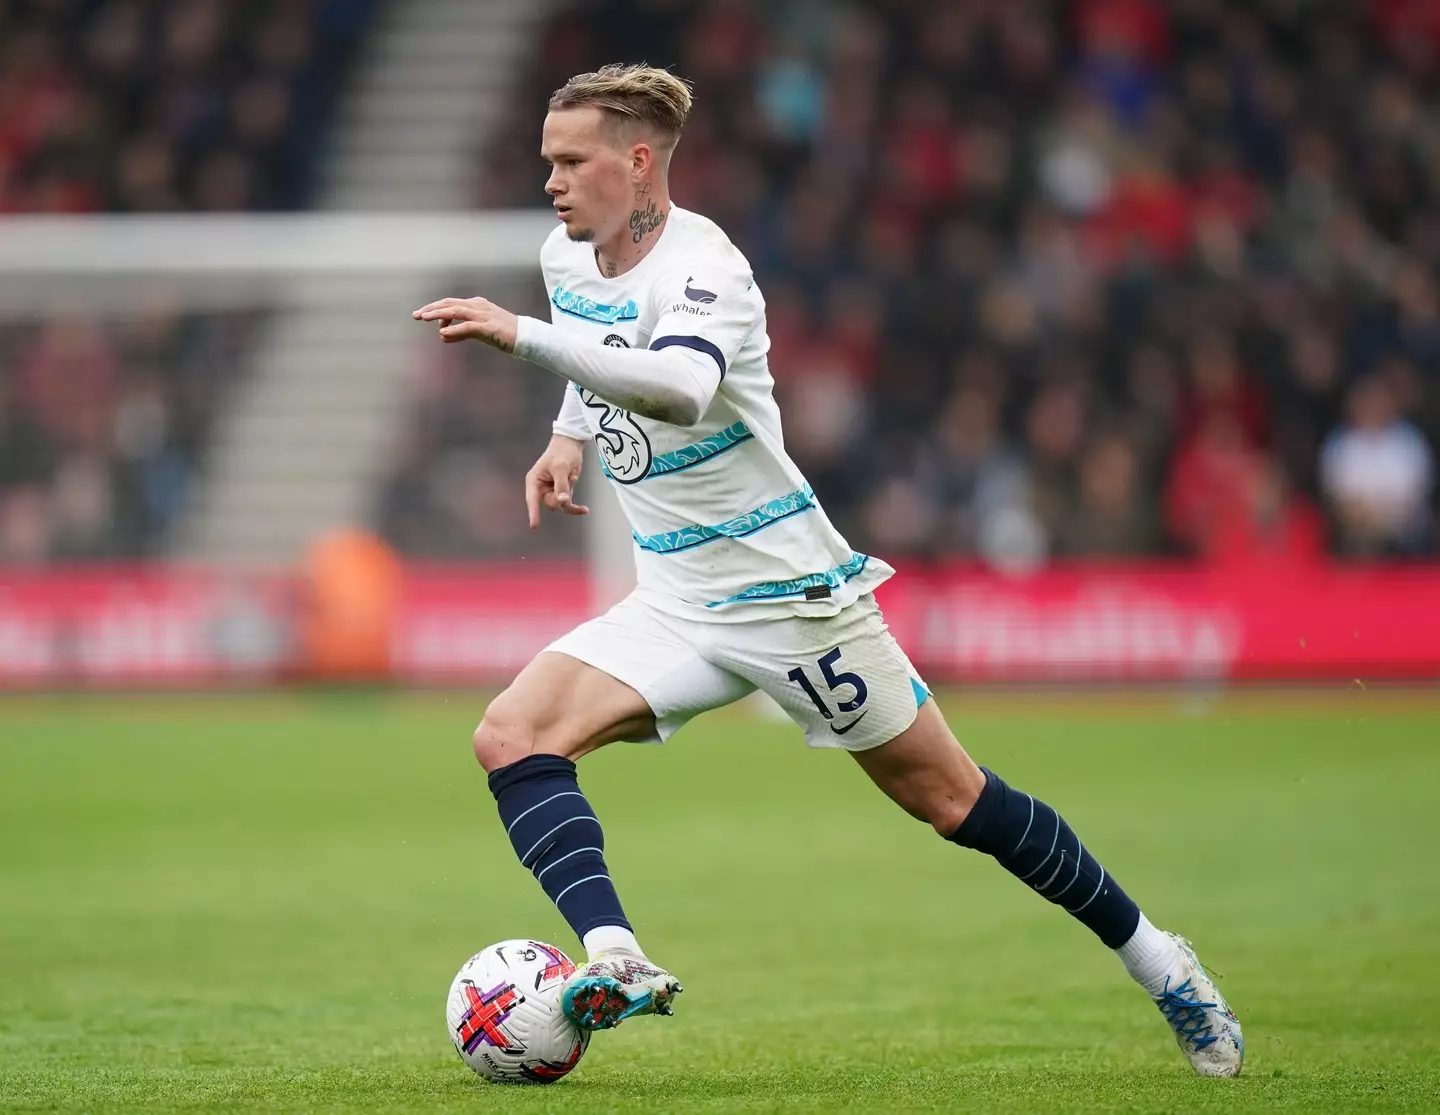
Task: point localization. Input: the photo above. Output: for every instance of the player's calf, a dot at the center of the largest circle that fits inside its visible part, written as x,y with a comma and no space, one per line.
1032,841
558,838
928,774
527,744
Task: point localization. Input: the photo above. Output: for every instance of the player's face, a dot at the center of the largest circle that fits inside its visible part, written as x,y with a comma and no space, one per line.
591,175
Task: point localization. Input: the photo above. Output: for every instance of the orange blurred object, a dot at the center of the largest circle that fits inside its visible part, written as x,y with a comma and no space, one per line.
351,584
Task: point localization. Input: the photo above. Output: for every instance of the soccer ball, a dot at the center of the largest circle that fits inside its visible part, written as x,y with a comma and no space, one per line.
505,1018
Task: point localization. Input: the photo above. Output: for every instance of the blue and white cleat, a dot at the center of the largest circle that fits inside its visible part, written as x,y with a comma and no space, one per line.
615,986
1205,1027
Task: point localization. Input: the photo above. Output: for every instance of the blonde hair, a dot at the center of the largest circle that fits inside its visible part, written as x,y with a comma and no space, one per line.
639,93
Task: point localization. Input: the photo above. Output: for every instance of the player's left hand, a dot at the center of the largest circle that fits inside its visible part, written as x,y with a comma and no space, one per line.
471,319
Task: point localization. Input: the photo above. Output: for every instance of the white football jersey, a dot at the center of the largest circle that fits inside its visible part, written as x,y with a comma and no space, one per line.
723,520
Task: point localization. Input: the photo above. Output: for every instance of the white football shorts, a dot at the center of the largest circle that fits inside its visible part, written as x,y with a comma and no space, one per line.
842,678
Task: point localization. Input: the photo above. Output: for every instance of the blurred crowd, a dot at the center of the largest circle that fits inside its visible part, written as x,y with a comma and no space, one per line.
1098,279
146,105
104,424
142,106
476,424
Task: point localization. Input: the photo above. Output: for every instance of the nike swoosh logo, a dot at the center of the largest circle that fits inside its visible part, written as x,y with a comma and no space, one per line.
842,731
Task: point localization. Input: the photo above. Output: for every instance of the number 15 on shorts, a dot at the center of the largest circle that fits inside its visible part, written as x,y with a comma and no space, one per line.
833,681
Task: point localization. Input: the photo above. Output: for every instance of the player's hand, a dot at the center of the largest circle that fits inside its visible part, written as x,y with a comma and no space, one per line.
472,319
551,482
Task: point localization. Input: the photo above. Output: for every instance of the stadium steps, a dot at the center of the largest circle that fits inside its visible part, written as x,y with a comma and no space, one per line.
303,443
308,441
436,86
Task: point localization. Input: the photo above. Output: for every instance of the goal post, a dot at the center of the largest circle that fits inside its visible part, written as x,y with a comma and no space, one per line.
117,269
270,244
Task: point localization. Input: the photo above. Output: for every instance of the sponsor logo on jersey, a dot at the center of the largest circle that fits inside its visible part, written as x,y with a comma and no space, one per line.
686,308
623,447
698,294
842,731
567,302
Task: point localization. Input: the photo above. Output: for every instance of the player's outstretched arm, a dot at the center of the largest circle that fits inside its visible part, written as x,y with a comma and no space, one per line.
672,385
471,319
550,483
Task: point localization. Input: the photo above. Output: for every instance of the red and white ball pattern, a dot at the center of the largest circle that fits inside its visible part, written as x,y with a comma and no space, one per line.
504,1014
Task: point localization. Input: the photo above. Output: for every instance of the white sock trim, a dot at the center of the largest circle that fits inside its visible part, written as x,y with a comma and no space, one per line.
604,938
1150,957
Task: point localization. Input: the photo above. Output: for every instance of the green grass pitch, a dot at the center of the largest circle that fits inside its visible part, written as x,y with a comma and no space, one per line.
257,903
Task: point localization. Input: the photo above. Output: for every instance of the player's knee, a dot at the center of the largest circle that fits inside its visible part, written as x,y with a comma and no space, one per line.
503,737
948,816
949,805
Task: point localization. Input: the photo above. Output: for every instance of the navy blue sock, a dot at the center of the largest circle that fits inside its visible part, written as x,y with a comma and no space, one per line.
557,836
1033,842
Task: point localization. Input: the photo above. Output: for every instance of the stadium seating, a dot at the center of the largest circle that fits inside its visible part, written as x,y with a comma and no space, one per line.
103,425
1094,279
183,104
210,105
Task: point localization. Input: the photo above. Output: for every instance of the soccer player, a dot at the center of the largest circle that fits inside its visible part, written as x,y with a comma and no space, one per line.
743,583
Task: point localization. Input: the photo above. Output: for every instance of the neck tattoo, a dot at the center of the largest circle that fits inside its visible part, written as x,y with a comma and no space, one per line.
645,221
645,218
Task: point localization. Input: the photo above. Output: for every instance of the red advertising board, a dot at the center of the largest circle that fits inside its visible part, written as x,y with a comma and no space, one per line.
116,626
1158,623
460,623
478,624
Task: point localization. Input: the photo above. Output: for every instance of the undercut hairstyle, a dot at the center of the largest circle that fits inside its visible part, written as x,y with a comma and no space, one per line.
637,94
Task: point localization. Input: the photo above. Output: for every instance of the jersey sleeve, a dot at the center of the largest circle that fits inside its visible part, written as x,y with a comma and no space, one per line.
551,268
673,385
571,420
708,308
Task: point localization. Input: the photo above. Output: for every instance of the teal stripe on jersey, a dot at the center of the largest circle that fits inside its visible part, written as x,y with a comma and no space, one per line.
767,514
577,305
775,590
688,456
